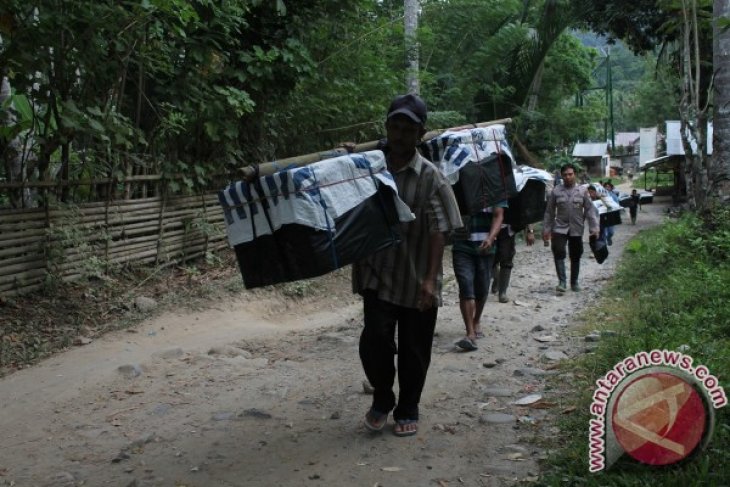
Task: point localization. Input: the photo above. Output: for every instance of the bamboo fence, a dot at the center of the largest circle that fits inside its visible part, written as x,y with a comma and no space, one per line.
68,242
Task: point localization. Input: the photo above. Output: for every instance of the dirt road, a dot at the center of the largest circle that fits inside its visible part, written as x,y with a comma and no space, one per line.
267,391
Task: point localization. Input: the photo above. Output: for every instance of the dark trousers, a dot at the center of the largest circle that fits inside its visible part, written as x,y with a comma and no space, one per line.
575,246
378,348
505,249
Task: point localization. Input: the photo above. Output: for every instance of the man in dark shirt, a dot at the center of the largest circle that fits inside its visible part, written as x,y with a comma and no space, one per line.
634,205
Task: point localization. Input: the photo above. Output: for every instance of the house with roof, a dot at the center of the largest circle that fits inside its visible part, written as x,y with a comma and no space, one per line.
593,156
626,142
625,153
673,158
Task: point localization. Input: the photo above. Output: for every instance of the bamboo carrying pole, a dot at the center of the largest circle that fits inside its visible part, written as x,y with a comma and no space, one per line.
269,168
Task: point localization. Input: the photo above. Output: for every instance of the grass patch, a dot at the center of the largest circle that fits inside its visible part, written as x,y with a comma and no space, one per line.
672,290
653,179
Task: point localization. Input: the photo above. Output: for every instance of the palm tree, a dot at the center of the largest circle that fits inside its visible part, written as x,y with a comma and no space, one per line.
524,71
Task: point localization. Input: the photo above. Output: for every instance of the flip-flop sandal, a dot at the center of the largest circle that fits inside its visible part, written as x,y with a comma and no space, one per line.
466,344
375,420
480,334
405,427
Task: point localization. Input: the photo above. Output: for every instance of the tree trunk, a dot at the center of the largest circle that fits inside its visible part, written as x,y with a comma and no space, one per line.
535,87
411,25
720,165
693,111
685,108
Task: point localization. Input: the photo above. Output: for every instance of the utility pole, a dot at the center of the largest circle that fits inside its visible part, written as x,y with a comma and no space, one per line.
411,25
609,98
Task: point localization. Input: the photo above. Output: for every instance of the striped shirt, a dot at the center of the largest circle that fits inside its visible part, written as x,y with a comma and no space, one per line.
396,273
476,230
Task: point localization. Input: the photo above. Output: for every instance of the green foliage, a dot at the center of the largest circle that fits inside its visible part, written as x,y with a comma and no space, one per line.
70,237
637,22
554,161
464,48
645,89
356,69
483,59
146,87
653,179
194,87
445,119
672,289
557,122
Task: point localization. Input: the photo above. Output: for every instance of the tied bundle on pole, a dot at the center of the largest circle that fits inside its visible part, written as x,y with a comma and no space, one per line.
482,170
528,206
253,171
307,221
308,215
478,163
609,211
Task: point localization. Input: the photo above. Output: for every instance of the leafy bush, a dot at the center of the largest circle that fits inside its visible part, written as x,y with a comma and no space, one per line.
555,161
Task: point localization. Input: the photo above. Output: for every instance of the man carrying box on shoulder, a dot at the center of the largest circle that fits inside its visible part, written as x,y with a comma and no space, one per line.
401,285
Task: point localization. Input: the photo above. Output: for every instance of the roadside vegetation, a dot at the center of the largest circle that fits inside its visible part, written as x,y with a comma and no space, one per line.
651,178
671,292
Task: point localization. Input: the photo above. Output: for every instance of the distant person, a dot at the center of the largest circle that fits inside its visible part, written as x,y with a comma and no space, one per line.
472,255
504,259
401,285
610,231
634,204
568,208
608,185
602,229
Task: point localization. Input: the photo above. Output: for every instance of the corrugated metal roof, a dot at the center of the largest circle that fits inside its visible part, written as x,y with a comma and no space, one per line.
590,149
626,138
655,162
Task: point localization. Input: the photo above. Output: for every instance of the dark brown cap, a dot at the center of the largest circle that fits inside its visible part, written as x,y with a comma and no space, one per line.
410,105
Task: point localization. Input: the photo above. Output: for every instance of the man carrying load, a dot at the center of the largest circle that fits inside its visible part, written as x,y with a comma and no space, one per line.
401,285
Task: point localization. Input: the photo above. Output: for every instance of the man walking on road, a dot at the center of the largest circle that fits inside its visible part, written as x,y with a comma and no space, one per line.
568,207
401,285
472,256
634,204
